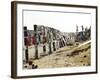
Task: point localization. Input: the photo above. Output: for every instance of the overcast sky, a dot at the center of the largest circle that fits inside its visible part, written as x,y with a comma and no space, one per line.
65,22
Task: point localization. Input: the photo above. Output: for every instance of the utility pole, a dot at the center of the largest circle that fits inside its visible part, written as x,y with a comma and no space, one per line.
76,29
26,43
82,28
44,40
36,42
82,33
76,33
49,38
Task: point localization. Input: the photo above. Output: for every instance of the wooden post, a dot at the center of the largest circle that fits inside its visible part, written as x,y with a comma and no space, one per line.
36,43
26,54
26,44
44,41
44,48
50,51
49,41
54,46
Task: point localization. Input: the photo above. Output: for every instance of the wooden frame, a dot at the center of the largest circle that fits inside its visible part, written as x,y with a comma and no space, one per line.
14,36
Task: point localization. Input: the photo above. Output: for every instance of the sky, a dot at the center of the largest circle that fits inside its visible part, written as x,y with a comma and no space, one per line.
63,21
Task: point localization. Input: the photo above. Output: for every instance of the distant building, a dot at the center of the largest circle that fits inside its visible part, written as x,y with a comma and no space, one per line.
83,35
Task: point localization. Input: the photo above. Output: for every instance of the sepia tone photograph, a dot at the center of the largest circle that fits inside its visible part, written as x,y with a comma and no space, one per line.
53,39
56,39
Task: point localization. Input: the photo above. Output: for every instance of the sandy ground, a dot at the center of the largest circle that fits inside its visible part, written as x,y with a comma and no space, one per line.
68,56
71,56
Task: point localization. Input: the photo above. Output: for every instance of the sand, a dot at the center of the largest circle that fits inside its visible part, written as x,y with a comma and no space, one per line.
68,56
